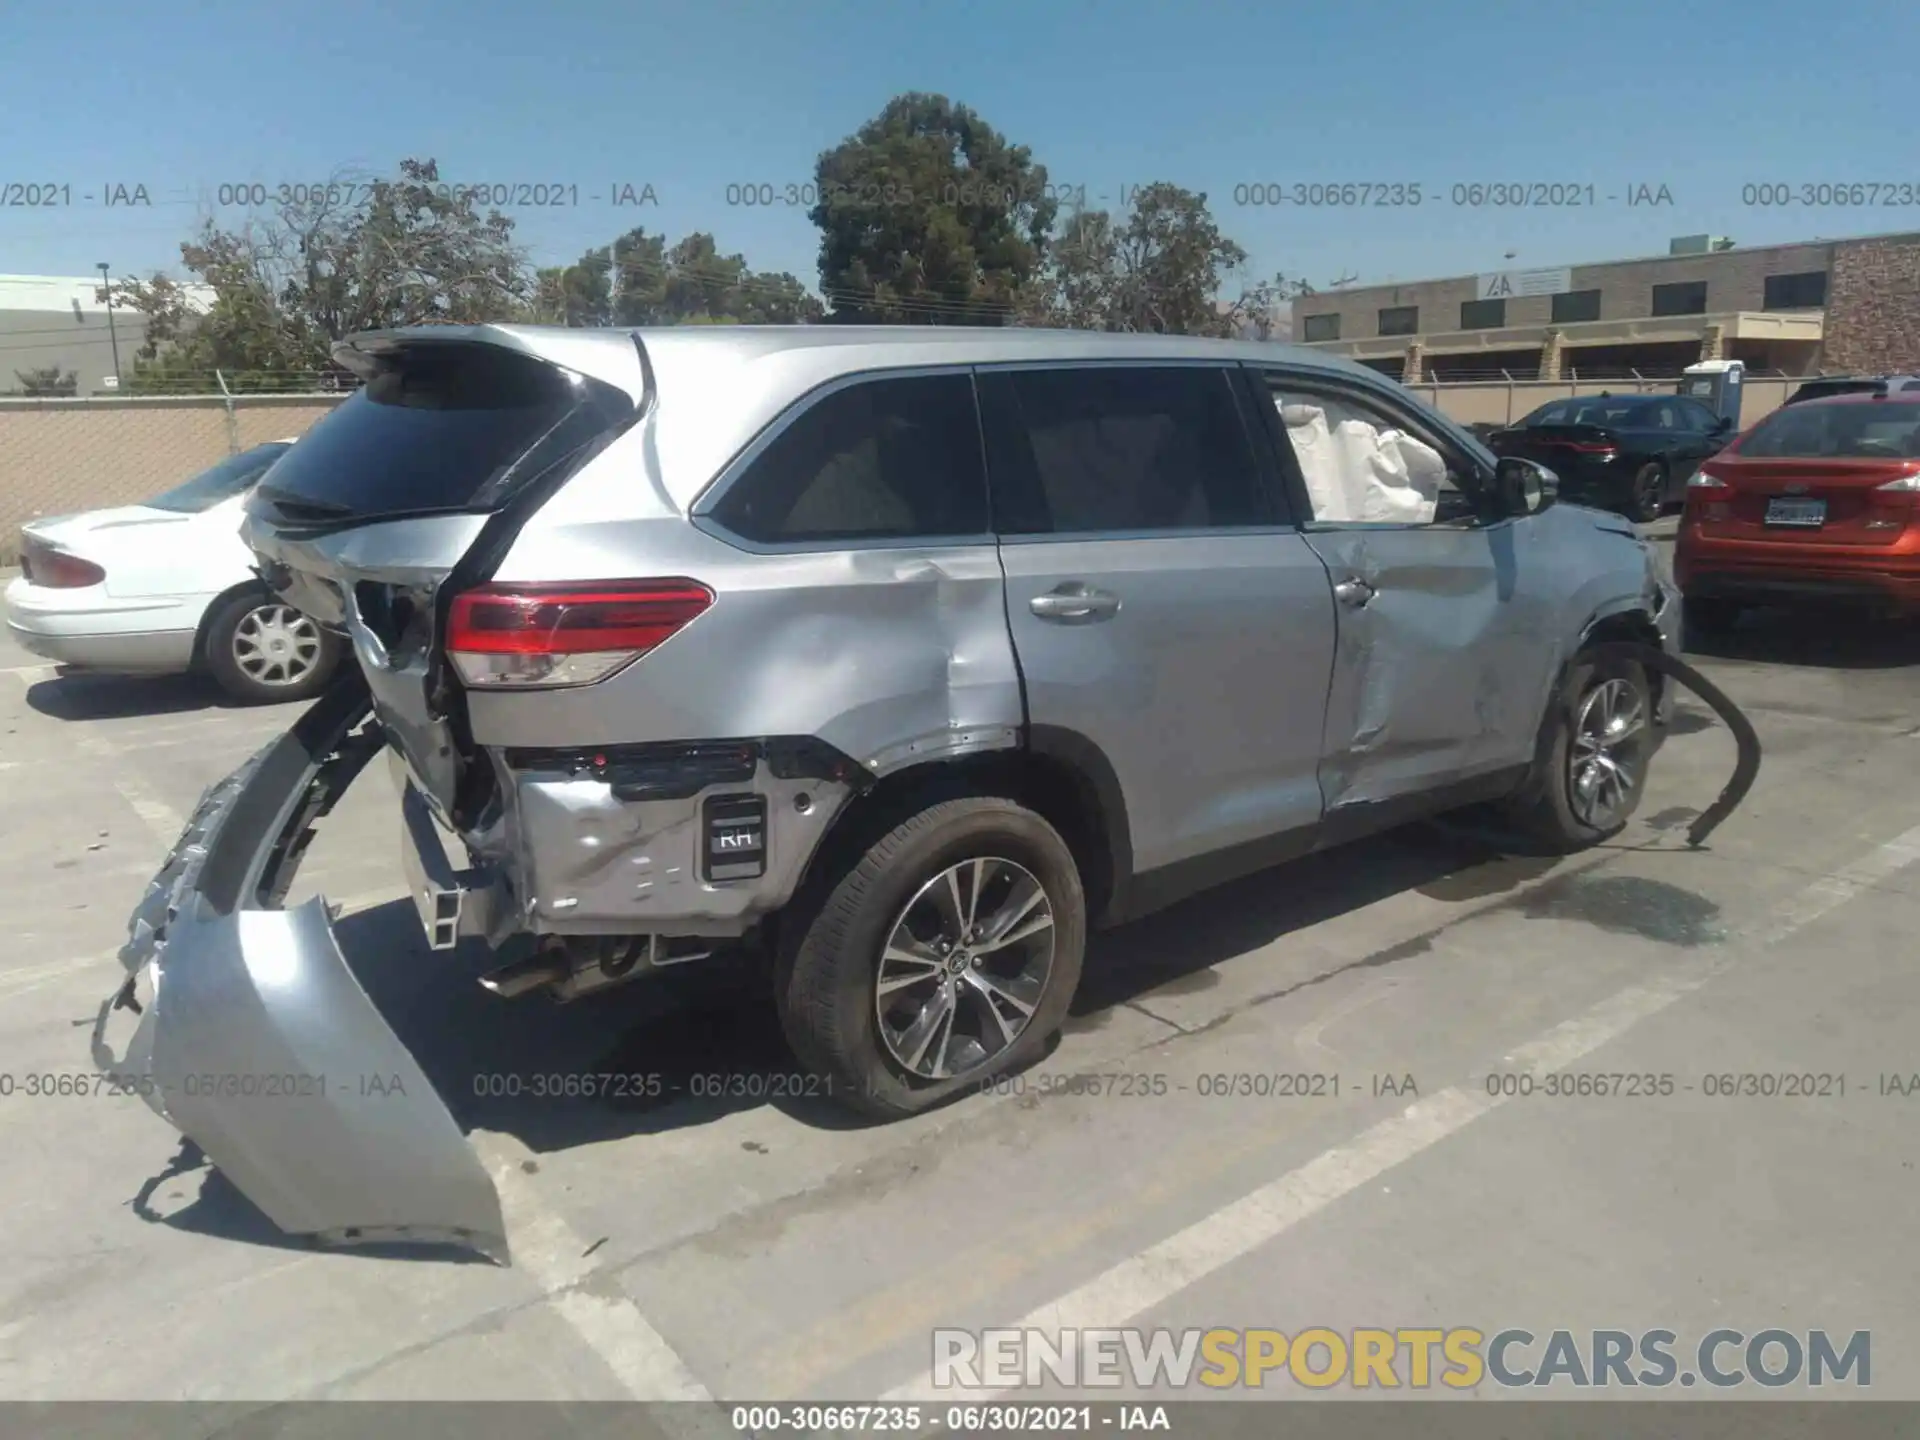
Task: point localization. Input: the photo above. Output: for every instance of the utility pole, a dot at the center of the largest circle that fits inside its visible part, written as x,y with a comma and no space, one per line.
613,286
112,334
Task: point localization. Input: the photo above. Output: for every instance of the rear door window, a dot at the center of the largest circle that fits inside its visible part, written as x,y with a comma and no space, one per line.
1127,449
890,459
442,427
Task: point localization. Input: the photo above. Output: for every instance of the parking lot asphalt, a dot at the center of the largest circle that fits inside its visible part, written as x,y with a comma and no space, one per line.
723,1241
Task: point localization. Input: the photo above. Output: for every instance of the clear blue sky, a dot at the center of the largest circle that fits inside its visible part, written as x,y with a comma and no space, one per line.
690,97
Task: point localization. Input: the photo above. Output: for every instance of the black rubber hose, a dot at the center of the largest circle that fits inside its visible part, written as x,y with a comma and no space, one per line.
1746,769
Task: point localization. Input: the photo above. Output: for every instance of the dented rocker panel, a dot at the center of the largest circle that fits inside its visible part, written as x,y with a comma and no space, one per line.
254,1038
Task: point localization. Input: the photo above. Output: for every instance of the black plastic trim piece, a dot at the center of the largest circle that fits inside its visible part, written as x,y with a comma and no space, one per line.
679,770
733,837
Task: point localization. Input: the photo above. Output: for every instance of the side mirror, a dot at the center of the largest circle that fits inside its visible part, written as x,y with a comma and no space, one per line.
1525,487
1722,425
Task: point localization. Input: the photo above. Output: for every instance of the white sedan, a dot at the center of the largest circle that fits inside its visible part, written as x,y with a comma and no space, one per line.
167,587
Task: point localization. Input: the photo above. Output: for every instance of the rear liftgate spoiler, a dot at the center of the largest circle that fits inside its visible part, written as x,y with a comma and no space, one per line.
255,1040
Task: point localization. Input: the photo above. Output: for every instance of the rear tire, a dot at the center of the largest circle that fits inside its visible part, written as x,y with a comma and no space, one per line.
1647,500
868,970
1591,767
261,651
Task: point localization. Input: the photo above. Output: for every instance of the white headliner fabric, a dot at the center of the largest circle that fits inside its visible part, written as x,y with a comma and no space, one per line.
1356,472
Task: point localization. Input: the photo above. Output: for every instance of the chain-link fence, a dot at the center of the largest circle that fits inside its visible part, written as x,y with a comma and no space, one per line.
59,456
62,455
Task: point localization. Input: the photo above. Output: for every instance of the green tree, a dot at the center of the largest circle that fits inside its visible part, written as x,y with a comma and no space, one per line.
1079,286
351,256
929,215
1257,313
691,283
1159,268
47,380
1171,259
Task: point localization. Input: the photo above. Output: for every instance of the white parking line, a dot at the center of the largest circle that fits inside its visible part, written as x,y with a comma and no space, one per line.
162,819
1162,1271
548,1249
17,980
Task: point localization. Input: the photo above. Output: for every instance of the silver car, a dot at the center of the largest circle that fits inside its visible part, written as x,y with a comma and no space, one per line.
902,657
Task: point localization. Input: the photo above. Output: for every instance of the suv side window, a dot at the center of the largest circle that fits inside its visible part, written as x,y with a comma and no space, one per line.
1119,449
885,459
1358,464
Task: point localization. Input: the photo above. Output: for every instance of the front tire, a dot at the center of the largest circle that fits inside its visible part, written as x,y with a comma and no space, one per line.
261,651
1595,748
947,954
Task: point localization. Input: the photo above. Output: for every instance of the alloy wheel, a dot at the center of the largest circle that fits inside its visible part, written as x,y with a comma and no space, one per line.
1603,762
964,967
275,645
1649,492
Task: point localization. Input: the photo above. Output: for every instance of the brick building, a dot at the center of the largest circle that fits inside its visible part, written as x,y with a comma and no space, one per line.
1793,309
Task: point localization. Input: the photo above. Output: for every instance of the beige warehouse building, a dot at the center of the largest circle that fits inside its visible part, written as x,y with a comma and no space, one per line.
1824,305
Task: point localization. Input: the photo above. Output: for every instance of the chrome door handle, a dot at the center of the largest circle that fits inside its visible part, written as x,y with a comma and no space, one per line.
1075,602
1353,593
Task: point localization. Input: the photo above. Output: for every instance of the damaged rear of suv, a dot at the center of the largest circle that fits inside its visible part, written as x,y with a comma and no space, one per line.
902,657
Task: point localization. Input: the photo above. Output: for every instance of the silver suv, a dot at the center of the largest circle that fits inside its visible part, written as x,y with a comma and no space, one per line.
901,656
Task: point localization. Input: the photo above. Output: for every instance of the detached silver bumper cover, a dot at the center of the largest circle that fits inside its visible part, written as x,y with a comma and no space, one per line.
255,1040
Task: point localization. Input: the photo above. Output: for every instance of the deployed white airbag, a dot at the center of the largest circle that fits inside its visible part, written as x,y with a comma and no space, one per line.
1358,472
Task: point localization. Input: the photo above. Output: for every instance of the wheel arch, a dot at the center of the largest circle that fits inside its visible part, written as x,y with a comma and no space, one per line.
1059,774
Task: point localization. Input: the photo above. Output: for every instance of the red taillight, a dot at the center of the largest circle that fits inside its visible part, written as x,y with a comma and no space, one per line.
54,569
549,635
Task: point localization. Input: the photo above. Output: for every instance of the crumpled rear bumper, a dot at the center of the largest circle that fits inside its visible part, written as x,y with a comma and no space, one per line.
252,1036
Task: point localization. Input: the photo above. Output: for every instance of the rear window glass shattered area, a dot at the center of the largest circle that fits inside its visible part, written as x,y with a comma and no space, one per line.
435,430
1870,430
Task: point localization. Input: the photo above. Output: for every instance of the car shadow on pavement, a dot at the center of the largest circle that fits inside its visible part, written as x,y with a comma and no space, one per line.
688,1047
221,1211
79,695
691,1047
1831,639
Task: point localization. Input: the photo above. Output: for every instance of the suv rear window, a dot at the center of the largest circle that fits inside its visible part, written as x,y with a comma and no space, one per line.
441,427
1865,430
881,460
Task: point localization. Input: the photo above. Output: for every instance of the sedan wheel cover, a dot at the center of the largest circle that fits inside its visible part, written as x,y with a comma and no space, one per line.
964,967
276,645
1604,769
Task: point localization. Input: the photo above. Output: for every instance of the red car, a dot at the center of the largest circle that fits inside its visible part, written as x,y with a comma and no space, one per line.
1820,500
